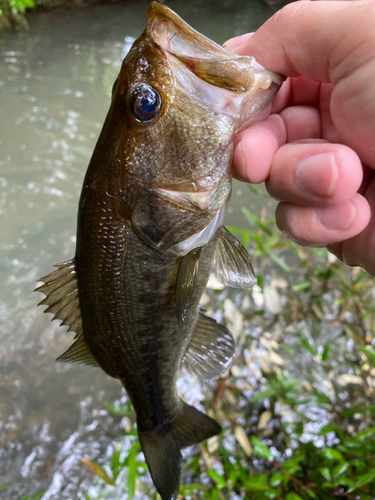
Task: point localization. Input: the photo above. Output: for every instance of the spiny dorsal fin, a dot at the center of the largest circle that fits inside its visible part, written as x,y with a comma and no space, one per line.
61,290
232,264
185,281
210,350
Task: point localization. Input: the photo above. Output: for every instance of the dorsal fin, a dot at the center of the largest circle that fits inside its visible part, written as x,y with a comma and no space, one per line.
61,290
210,350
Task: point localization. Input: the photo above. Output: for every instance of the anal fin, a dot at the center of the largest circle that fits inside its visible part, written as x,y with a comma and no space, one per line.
210,351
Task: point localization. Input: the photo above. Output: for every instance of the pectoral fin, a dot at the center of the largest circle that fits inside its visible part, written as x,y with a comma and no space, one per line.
210,350
232,262
186,278
61,290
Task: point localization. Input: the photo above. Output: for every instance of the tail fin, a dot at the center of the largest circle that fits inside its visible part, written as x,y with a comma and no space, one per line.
162,450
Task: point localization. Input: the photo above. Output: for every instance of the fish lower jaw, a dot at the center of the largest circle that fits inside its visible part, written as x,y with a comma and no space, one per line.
264,77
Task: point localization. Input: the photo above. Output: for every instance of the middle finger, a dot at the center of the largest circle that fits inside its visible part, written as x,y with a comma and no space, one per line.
314,173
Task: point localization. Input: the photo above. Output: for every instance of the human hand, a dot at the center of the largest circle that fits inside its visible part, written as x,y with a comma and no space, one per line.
322,127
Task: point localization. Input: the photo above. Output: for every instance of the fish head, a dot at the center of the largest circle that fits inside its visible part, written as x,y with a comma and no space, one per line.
177,104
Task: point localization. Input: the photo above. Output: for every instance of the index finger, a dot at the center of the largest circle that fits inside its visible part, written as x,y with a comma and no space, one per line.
313,39
300,90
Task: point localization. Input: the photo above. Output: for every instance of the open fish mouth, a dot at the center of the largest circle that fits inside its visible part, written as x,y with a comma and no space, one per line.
208,60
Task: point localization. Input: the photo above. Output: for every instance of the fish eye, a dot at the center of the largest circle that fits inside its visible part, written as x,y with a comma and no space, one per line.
145,103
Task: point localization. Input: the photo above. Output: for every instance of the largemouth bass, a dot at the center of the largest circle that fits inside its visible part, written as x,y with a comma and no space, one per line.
150,230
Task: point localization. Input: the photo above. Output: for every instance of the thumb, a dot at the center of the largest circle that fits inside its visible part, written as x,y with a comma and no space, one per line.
322,41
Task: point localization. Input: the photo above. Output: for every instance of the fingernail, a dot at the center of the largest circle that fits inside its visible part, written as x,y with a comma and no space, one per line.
317,174
229,44
339,217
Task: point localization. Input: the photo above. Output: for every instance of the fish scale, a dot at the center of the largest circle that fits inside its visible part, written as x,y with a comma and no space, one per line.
150,231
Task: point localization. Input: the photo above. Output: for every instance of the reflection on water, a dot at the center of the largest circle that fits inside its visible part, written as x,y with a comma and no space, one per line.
55,82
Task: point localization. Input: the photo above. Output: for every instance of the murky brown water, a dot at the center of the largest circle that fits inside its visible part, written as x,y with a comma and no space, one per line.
55,82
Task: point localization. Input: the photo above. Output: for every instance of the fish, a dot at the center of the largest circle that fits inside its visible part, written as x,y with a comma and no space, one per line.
150,231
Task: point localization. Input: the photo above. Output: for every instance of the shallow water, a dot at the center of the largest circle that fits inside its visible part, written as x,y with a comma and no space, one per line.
55,82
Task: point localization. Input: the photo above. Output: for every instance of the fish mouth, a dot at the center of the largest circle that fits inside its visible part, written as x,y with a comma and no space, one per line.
229,84
208,60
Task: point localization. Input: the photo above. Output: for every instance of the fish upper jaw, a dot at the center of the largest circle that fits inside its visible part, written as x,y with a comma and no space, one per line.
238,104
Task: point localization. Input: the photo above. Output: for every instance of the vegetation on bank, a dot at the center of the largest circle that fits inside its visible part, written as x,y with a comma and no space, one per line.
12,12
297,407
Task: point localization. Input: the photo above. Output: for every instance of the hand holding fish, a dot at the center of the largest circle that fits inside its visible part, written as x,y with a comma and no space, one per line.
316,151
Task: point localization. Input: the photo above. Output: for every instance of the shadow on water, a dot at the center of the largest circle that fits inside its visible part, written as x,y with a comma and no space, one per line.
55,83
